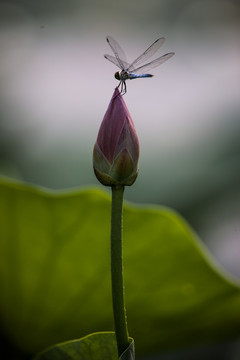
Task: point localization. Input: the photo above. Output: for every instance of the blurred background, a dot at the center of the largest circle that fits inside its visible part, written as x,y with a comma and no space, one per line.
55,86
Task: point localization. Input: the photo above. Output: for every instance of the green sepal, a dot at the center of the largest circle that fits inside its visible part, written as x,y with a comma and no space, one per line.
129,353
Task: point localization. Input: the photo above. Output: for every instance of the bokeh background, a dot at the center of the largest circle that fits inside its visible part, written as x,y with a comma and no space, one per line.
55,86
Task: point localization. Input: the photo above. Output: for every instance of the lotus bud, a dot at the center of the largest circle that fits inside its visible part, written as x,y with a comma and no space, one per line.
116,151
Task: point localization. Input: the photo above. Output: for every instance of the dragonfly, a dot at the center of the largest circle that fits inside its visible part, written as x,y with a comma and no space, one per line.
135,69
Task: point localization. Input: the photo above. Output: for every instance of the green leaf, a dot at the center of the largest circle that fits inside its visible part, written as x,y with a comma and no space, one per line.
55,273
98,346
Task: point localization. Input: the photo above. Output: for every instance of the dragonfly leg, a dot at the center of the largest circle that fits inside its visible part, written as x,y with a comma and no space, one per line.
123,88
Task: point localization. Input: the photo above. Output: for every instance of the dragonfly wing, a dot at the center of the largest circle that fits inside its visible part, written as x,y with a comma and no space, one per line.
118,52
116,62
147,54
151,65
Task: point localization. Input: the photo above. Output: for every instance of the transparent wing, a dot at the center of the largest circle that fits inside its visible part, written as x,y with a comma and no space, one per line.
151,65
118,52
116,62
147,54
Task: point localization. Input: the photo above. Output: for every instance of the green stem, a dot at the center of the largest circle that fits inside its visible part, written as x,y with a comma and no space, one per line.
119,311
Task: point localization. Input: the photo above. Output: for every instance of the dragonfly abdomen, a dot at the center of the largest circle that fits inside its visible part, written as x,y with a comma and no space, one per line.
132,76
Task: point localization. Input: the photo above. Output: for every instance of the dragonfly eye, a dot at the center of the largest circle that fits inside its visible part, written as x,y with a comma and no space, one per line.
117,76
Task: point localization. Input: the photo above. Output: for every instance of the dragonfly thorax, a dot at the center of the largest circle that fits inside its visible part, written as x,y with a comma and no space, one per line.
121,75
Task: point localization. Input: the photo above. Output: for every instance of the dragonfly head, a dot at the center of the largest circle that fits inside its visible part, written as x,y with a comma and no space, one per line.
117,75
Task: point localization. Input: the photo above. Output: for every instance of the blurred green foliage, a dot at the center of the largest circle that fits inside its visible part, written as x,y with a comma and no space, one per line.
55,273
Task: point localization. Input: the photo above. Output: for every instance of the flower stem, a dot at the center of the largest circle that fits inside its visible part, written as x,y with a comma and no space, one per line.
119,310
